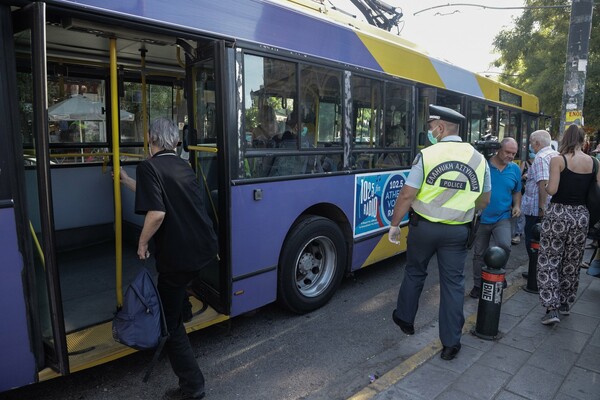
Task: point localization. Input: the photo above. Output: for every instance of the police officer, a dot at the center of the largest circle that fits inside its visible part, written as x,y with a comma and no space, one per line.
446,183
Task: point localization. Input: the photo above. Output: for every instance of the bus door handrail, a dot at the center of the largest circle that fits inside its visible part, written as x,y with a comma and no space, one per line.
38,247
206,149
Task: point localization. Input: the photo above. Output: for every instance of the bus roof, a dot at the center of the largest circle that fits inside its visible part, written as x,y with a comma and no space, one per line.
307,27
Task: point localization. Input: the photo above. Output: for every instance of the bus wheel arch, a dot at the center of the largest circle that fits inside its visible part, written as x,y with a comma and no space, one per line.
312,264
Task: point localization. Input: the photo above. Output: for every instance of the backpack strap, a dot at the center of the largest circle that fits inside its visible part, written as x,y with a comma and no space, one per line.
163,338
154,361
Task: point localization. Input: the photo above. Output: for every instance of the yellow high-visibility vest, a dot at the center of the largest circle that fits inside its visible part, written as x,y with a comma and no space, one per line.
453,174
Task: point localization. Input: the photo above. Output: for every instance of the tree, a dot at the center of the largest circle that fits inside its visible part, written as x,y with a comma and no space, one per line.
533,56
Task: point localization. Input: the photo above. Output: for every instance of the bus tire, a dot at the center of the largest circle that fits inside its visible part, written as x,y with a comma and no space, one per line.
312,264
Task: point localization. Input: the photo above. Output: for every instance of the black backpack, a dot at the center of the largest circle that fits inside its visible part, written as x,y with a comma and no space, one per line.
140,323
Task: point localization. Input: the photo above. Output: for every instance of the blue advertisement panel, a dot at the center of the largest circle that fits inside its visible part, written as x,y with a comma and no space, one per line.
375,195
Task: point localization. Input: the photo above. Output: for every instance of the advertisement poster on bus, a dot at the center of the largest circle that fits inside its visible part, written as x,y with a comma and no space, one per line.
375,195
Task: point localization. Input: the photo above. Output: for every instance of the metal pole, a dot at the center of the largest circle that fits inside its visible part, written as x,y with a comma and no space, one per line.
576,66
115,115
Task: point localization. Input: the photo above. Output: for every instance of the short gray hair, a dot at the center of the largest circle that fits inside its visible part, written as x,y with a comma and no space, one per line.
508,140
541,136
164,133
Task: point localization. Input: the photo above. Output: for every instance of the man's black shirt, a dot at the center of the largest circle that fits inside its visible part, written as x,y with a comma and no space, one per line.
186,240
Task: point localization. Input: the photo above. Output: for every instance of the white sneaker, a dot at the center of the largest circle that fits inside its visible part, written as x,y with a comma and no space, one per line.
516,239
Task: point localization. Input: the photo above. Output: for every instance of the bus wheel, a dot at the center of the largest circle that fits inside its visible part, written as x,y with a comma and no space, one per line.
312,264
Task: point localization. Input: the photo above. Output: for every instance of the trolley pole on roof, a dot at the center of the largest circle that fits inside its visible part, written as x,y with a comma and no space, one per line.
576,67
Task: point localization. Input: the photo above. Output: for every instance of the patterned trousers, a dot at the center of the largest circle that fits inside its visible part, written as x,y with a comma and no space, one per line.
562,243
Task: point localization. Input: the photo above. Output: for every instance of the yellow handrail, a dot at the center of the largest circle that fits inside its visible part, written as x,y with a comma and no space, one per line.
104,154
37,245
204,148
114,103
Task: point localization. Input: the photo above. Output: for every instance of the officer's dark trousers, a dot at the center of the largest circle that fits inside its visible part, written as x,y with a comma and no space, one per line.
448,242
171,288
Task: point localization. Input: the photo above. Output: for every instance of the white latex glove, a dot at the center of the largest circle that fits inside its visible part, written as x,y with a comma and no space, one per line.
394,234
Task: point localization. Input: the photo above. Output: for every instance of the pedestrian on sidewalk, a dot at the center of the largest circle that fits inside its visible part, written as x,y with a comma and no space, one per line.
447,181
536,199
505,203
564,226
519,222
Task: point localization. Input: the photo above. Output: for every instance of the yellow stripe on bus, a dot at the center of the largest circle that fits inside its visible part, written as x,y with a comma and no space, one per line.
385,249
411,65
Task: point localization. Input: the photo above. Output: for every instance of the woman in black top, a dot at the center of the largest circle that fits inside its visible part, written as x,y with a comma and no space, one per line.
564,227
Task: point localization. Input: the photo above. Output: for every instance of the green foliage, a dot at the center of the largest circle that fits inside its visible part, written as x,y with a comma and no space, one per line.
533,56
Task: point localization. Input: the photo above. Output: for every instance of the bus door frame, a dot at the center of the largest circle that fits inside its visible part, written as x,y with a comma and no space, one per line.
216,297
22,349
33,17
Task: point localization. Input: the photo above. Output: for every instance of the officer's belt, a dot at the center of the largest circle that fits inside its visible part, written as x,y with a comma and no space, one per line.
422,218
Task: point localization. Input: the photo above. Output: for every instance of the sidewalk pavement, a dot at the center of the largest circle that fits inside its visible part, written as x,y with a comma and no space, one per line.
527,361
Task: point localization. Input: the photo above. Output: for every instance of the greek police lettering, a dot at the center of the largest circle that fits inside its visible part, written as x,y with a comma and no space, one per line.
453,184
453,166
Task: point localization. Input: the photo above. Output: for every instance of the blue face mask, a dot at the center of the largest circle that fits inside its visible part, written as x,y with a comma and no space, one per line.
304,131
531,151
432,139
531,154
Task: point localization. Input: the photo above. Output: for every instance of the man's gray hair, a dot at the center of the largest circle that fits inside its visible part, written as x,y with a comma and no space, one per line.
507,140
541,136
164,133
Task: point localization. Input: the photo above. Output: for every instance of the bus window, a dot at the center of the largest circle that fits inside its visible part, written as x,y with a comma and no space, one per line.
321,105
77,119
481,123
321,117
269,87
454,102
477,125
514,127
450,100
271,119
366,111
366,117
398,99
397,132
426,97
503,124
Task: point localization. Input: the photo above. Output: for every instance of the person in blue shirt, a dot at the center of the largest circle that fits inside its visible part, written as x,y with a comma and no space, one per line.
505,203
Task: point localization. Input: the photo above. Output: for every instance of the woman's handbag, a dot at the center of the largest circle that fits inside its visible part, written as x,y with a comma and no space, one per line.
593,196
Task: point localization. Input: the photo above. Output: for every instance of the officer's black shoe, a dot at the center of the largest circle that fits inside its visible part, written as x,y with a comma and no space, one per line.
406,327
449,352
474,293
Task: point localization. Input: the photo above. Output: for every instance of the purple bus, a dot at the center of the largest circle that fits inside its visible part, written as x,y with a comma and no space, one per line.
301,128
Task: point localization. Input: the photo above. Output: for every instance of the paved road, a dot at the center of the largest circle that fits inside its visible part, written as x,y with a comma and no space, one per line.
327,354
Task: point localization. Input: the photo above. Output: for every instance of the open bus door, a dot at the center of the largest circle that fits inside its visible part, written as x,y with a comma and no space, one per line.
19,348
205,113
45,307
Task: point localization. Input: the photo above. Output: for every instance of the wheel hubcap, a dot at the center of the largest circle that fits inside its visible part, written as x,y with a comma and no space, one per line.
315,266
